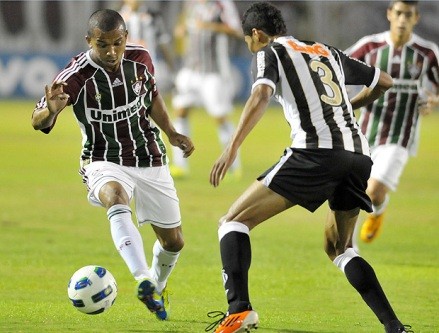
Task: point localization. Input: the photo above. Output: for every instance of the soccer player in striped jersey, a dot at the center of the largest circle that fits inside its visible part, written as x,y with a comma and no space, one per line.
205,80
392,122
146,27
327,160
119,111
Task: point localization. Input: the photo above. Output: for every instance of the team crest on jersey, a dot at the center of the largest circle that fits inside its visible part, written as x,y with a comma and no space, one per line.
137,87
414,70
98,97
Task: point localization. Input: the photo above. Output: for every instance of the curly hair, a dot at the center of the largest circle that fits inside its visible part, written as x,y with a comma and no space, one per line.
263,16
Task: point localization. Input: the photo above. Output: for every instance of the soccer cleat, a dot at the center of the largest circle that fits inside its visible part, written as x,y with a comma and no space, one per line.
155,303
395,326
163,313
371,228
235,322
178,172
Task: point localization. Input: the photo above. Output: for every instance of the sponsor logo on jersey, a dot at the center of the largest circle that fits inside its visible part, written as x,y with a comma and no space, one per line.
112,116
116,82
260,60
396,59
316,48
404,86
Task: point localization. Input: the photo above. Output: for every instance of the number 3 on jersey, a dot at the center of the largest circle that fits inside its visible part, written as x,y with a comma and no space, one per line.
336,98
327,80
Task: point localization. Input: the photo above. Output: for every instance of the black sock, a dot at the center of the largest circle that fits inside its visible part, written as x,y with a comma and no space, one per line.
236,258
362,277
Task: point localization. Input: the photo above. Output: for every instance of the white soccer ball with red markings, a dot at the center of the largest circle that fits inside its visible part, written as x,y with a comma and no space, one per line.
92,289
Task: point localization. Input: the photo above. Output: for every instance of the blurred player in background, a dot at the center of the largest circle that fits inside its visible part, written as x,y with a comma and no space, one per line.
146,27
392,122
328,160
117,105
206,76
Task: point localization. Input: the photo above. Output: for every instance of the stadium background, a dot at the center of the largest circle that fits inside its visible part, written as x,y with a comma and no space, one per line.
39,37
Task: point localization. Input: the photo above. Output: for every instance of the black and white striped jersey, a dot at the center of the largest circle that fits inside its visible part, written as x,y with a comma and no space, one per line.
309,81
112,109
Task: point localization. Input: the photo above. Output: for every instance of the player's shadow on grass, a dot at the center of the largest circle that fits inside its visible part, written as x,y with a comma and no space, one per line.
261,329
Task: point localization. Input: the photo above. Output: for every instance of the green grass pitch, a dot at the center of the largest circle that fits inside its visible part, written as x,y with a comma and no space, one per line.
48,230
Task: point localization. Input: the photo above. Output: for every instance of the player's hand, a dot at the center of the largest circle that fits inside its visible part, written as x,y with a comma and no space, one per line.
56,98
221,166
184,143
427,105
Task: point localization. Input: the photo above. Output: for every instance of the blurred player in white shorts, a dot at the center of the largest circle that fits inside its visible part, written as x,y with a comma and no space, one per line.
389,162
205,79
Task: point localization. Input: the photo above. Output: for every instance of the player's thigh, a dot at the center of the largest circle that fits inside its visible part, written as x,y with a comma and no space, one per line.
257,204
97,174
389,162
156,198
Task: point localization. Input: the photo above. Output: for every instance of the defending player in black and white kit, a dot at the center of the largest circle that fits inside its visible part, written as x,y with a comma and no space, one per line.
328,159
311,76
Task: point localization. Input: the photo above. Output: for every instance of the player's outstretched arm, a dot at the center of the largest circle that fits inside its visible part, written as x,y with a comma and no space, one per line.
160,116
367,95
428,104
253,110
56,100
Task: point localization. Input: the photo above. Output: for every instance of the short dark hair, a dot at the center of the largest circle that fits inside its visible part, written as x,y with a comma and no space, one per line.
105,20
263,16
407,2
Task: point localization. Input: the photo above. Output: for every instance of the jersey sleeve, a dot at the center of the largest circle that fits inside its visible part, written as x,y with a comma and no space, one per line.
357,72
433,70
265,69
357,51
141,55
74,85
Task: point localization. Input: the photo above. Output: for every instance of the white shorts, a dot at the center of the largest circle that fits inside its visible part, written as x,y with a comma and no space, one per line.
152,188
389,162
208,90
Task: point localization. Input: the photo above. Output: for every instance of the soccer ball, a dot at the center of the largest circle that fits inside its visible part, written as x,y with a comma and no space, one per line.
92,289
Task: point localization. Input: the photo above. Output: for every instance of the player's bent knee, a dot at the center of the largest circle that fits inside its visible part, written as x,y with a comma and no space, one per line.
175,245
342,260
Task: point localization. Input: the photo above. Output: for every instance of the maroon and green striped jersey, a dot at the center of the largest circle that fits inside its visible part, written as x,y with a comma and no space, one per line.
393,118
112,109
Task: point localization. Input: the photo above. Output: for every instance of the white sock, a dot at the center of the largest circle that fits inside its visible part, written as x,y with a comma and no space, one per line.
342,260
163,262
181,126
225,133
128,241
379,209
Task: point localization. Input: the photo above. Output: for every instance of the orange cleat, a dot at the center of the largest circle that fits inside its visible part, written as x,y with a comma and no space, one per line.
371,228
237,322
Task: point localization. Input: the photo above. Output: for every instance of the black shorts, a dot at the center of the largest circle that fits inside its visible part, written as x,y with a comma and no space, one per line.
309,177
